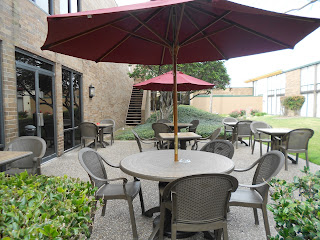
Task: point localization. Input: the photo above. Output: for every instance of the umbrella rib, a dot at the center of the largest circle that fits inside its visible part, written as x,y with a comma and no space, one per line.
167,32
133,33
179,24
204,36
204,28
243,28
150,29
82,33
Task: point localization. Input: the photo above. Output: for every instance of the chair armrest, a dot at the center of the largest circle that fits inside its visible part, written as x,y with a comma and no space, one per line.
248,168
36,160
148,141
253,186
109,163
110,180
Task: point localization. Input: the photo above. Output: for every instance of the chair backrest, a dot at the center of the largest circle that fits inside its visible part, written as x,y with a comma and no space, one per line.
92,163
229,119
34,144
215,134
194,126
110,129
298,138
269,165
200,198
137,138
88,129
163,121
221,147
258,124
160,128
243,128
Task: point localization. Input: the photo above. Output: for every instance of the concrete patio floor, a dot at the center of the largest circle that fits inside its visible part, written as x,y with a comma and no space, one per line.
115,225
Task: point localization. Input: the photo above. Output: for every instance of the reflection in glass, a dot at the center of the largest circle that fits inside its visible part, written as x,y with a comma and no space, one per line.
33,62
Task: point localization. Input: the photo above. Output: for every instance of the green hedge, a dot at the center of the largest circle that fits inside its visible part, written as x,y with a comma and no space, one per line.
42,207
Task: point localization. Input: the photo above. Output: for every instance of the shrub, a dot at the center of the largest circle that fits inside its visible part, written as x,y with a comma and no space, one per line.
42,207
235,114
242,113
296,207
293,102
22,114
253,112
259,114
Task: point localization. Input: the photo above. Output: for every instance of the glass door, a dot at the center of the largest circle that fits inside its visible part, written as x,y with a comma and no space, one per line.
35,102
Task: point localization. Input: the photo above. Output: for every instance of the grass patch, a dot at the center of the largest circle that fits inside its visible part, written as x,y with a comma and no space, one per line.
208,123
298,122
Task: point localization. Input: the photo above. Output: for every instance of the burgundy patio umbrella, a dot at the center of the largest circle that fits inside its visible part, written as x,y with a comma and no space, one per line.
165,82
174,31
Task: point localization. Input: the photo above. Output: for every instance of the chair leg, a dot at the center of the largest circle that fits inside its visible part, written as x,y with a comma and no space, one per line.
268,147
307,159
173,232
133,220
260,148
286,160
255,214
266,222
103,212
252,146
225,233
297,158
236,138
162,218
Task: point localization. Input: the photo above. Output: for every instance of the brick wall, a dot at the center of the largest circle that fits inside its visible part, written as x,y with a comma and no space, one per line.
24,25
293,83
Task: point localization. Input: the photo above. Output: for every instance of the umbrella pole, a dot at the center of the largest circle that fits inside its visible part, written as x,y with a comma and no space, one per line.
175,103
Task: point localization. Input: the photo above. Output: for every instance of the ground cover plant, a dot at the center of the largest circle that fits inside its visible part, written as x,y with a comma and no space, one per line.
42,207
295,207
298,122
208,123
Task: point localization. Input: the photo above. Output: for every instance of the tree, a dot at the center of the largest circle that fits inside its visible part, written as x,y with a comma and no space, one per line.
302,7
213,72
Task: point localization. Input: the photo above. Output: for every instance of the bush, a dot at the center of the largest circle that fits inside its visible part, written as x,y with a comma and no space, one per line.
242,112
260,114
253,112
22,114
42,207
293,103
296,207
235,114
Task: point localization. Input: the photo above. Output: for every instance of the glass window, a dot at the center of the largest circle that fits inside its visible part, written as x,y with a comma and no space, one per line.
307,78
20,57
45,5
69,6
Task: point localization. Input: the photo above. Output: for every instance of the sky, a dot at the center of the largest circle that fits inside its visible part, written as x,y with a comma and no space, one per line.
306,51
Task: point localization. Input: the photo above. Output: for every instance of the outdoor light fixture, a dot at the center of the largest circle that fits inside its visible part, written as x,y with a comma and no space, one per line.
91,91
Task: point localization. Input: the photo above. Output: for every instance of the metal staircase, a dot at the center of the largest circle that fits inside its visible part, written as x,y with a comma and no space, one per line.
134,110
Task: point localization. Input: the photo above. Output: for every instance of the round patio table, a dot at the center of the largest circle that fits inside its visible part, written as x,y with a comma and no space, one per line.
160,166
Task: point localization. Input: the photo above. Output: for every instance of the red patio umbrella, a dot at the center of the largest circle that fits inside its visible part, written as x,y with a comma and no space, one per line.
174,31
164,82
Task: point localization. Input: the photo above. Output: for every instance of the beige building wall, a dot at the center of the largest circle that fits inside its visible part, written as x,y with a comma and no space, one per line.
23,25
293,83
227,104
234,91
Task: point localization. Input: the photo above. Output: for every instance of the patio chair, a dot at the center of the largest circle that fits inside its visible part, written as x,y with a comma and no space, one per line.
198,203
228,129
163,121
258,136
160,128
193,128
32,163
243,130
211,137
296,141
88,130
109,130
256,195
140,140
222,147
93,164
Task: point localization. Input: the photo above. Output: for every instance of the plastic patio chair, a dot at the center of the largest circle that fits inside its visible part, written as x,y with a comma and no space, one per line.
88,130
222,147
160,128
211,137
140,140
258,136
109,130
243,130
32,163
256,195
93,164
228,129
296,141
198,203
